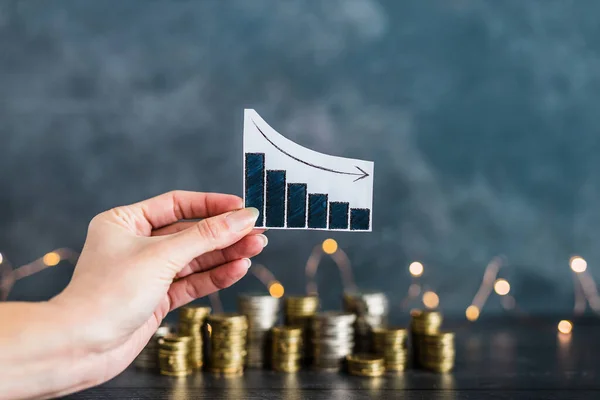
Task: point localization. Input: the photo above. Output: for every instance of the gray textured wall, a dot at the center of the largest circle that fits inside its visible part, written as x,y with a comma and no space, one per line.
482,118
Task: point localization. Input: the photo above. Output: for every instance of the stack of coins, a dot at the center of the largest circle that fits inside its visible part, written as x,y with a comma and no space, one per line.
365,365
436,351
262,312
148,358
298,311
425,322
422,323
227,343
392,345
286,349
371,309
191,320
173,352
332,339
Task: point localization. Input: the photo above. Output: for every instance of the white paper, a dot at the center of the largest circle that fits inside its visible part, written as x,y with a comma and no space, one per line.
343,180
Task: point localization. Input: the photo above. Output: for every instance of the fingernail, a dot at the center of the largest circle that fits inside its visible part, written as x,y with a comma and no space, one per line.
248,262
265,239
242,219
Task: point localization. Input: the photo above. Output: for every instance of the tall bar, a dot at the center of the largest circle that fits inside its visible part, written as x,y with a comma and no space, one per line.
360,219
296,205
317,211
338,215
255,184
275,209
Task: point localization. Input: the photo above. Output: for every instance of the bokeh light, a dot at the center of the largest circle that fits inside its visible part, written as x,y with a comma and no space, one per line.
502,287
416,269
51,259
578,264
276,290
430,299
1,258
565,327
330,246
472,312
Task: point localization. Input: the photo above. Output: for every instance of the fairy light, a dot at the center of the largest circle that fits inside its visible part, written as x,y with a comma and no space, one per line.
472,313
51,259
502,287
578,264
276,290
565,327
330,246
416,269
430,299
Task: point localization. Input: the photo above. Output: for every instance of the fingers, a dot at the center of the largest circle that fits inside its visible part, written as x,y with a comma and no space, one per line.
202,284
183,225
210,234
171,207
247,247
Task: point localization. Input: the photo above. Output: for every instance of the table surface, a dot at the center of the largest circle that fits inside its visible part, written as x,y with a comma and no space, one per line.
501,359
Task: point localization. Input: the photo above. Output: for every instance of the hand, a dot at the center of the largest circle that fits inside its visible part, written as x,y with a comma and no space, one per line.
141,261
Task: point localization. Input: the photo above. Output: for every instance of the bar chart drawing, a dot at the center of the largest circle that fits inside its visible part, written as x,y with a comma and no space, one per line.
297,188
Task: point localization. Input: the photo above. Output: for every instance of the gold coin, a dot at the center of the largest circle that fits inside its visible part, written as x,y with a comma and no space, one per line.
364,359
227,355
366,373
227,318
395,367
193,312
286,331
226,370
287,349
172,341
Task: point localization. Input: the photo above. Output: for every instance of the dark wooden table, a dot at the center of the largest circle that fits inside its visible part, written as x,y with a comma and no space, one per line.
501,359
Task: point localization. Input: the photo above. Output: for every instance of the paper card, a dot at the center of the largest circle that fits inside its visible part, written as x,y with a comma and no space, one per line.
297,188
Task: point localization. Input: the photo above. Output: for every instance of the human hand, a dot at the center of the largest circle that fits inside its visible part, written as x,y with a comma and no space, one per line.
141,261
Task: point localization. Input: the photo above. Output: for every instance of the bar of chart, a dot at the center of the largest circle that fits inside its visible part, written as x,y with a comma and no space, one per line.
296,188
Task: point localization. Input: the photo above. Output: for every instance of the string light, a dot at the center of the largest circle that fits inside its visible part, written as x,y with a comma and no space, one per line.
565,327
578,264
276,290
51,259
502,287
330,246
487,283
430,299
472,313
416,269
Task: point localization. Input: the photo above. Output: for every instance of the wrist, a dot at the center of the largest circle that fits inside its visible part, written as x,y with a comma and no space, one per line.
87,330
57,364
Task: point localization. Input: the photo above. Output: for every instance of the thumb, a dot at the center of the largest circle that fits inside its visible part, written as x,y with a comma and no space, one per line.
210,234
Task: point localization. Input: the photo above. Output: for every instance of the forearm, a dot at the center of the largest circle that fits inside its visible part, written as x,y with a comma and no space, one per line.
41,354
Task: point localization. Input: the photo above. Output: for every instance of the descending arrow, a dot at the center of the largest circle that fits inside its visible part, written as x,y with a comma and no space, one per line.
361,175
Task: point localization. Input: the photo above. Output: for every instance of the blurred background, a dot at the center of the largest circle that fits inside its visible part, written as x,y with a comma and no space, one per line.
481,117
